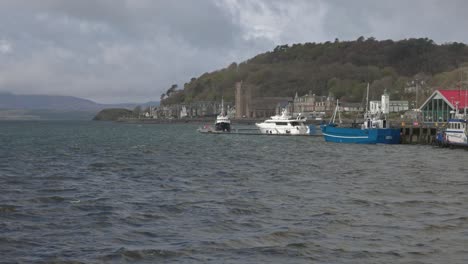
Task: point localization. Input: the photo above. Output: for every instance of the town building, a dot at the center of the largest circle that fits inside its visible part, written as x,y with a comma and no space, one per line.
192,110
351,107
386,106
441,105
304,105
310,105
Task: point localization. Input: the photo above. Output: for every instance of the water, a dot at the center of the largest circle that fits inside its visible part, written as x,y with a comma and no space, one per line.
95,192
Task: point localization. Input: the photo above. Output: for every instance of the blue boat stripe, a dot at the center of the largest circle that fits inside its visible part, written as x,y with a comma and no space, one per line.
343,136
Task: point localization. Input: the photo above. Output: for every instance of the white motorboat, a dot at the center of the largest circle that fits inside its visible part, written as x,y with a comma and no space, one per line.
284,124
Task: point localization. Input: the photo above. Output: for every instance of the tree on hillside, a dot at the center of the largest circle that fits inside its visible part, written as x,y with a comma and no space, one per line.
340,67
137,111
171,90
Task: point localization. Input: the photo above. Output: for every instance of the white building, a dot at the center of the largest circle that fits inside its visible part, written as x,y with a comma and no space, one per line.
386,106
183,112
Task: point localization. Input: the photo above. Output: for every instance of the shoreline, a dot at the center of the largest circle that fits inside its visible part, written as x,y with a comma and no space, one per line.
243,121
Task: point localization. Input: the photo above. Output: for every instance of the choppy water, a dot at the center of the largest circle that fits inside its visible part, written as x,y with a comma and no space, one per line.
125,193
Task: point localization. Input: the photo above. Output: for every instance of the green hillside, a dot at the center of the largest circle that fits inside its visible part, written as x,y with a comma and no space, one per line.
112,114
340,68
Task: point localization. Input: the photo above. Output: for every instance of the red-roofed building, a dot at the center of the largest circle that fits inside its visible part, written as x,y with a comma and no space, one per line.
438,106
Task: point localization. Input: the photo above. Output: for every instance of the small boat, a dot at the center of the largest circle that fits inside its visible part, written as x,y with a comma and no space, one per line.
284,124
456,132
222,123
375,129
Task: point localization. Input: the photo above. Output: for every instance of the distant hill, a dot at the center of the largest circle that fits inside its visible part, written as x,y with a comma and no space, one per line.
53,107
53,102
112,114
339,68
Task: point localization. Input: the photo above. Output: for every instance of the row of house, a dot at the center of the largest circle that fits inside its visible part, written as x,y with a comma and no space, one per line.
192,110
248,106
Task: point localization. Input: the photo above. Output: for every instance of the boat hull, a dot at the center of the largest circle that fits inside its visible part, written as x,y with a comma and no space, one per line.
361,136
452,139
286,130
223,126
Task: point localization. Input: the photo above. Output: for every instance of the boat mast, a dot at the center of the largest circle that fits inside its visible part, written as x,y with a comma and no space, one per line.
332,120
222,105
367,98
464,108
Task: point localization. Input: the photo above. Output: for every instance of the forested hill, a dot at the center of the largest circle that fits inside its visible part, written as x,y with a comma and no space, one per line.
339,68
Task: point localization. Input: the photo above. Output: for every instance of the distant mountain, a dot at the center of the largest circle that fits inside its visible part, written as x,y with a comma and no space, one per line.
58,102
13,106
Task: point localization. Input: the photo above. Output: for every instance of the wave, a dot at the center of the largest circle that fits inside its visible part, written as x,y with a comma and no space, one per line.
6,208
141,255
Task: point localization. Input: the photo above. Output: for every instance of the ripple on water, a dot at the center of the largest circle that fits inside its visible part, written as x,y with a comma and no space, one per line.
130,255
96,192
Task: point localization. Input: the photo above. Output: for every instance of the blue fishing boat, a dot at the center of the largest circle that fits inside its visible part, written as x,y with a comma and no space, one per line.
334,133
374,130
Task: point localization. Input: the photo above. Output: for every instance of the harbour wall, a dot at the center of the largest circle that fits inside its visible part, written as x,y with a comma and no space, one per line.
419,133
411,132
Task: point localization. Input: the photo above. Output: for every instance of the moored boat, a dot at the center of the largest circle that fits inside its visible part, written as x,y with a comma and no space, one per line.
222,123
375,129
363,135
284,124
456,132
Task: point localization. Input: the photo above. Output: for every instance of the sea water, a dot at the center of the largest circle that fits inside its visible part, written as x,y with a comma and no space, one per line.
92,192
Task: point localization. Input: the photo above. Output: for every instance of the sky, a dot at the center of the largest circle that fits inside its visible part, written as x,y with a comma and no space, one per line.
118,51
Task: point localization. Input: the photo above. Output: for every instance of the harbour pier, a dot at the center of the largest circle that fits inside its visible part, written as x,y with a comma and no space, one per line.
420,132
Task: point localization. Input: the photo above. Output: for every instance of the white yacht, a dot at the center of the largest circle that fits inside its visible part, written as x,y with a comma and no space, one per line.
284,124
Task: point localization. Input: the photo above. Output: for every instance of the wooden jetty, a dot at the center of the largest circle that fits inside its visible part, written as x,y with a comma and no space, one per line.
419,133
411,132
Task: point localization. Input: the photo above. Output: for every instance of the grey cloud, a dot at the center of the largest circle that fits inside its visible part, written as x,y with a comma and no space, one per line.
442,21
127,50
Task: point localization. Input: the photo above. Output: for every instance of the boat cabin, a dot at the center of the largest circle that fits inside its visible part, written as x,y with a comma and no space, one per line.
457,124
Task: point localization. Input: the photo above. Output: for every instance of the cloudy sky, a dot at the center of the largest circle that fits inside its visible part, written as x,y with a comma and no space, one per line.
115,51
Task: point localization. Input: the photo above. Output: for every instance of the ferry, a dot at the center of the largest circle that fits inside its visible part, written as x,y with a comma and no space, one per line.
284,124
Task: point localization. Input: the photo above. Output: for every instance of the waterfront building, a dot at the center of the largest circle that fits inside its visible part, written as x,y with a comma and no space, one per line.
438,107
351,107
191,110
386,106
325,104
304,105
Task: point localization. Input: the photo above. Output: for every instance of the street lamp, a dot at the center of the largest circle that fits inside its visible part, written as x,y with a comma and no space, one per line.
417,83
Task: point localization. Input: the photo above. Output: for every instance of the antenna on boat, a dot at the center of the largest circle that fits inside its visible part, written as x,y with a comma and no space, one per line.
367,98
222,105
464,108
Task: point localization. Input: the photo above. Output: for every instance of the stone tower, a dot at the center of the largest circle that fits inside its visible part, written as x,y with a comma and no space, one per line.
239,101
243,100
